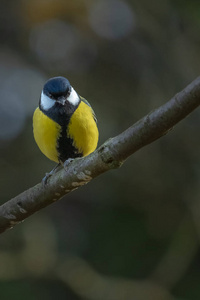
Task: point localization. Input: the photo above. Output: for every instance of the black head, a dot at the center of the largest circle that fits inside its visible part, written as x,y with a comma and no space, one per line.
58,99
57,87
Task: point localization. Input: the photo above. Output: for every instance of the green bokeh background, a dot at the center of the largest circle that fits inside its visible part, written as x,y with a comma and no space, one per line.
132,233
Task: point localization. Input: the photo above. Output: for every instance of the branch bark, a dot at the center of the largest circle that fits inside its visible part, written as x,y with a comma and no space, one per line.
108,156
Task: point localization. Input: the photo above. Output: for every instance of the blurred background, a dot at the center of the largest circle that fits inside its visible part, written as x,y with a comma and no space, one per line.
132,233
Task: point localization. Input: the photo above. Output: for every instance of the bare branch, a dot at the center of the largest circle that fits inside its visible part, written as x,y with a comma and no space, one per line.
108,156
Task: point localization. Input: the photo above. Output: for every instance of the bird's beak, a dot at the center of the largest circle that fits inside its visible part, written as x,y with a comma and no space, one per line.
61,100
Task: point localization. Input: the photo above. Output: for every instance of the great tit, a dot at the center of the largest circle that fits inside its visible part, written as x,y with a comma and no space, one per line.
64,124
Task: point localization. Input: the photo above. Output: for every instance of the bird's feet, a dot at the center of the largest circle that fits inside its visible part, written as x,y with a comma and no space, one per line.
55,169
45,178
67,163
48,175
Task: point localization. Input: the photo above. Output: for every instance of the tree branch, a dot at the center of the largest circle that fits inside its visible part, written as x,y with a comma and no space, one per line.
108,156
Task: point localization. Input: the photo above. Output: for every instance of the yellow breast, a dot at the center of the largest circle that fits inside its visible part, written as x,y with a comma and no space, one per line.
46,133
83,130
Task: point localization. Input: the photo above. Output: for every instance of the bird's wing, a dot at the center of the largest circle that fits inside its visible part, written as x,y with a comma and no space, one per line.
86,102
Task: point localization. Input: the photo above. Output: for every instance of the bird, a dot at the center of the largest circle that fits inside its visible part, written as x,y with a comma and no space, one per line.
64,123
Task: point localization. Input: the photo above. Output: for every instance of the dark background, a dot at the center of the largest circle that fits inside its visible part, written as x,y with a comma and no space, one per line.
132,233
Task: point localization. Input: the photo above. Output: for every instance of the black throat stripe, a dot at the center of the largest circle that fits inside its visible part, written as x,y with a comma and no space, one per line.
62,116
65,146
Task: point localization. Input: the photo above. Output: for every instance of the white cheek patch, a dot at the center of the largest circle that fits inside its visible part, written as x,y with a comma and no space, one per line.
46,102
73,98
